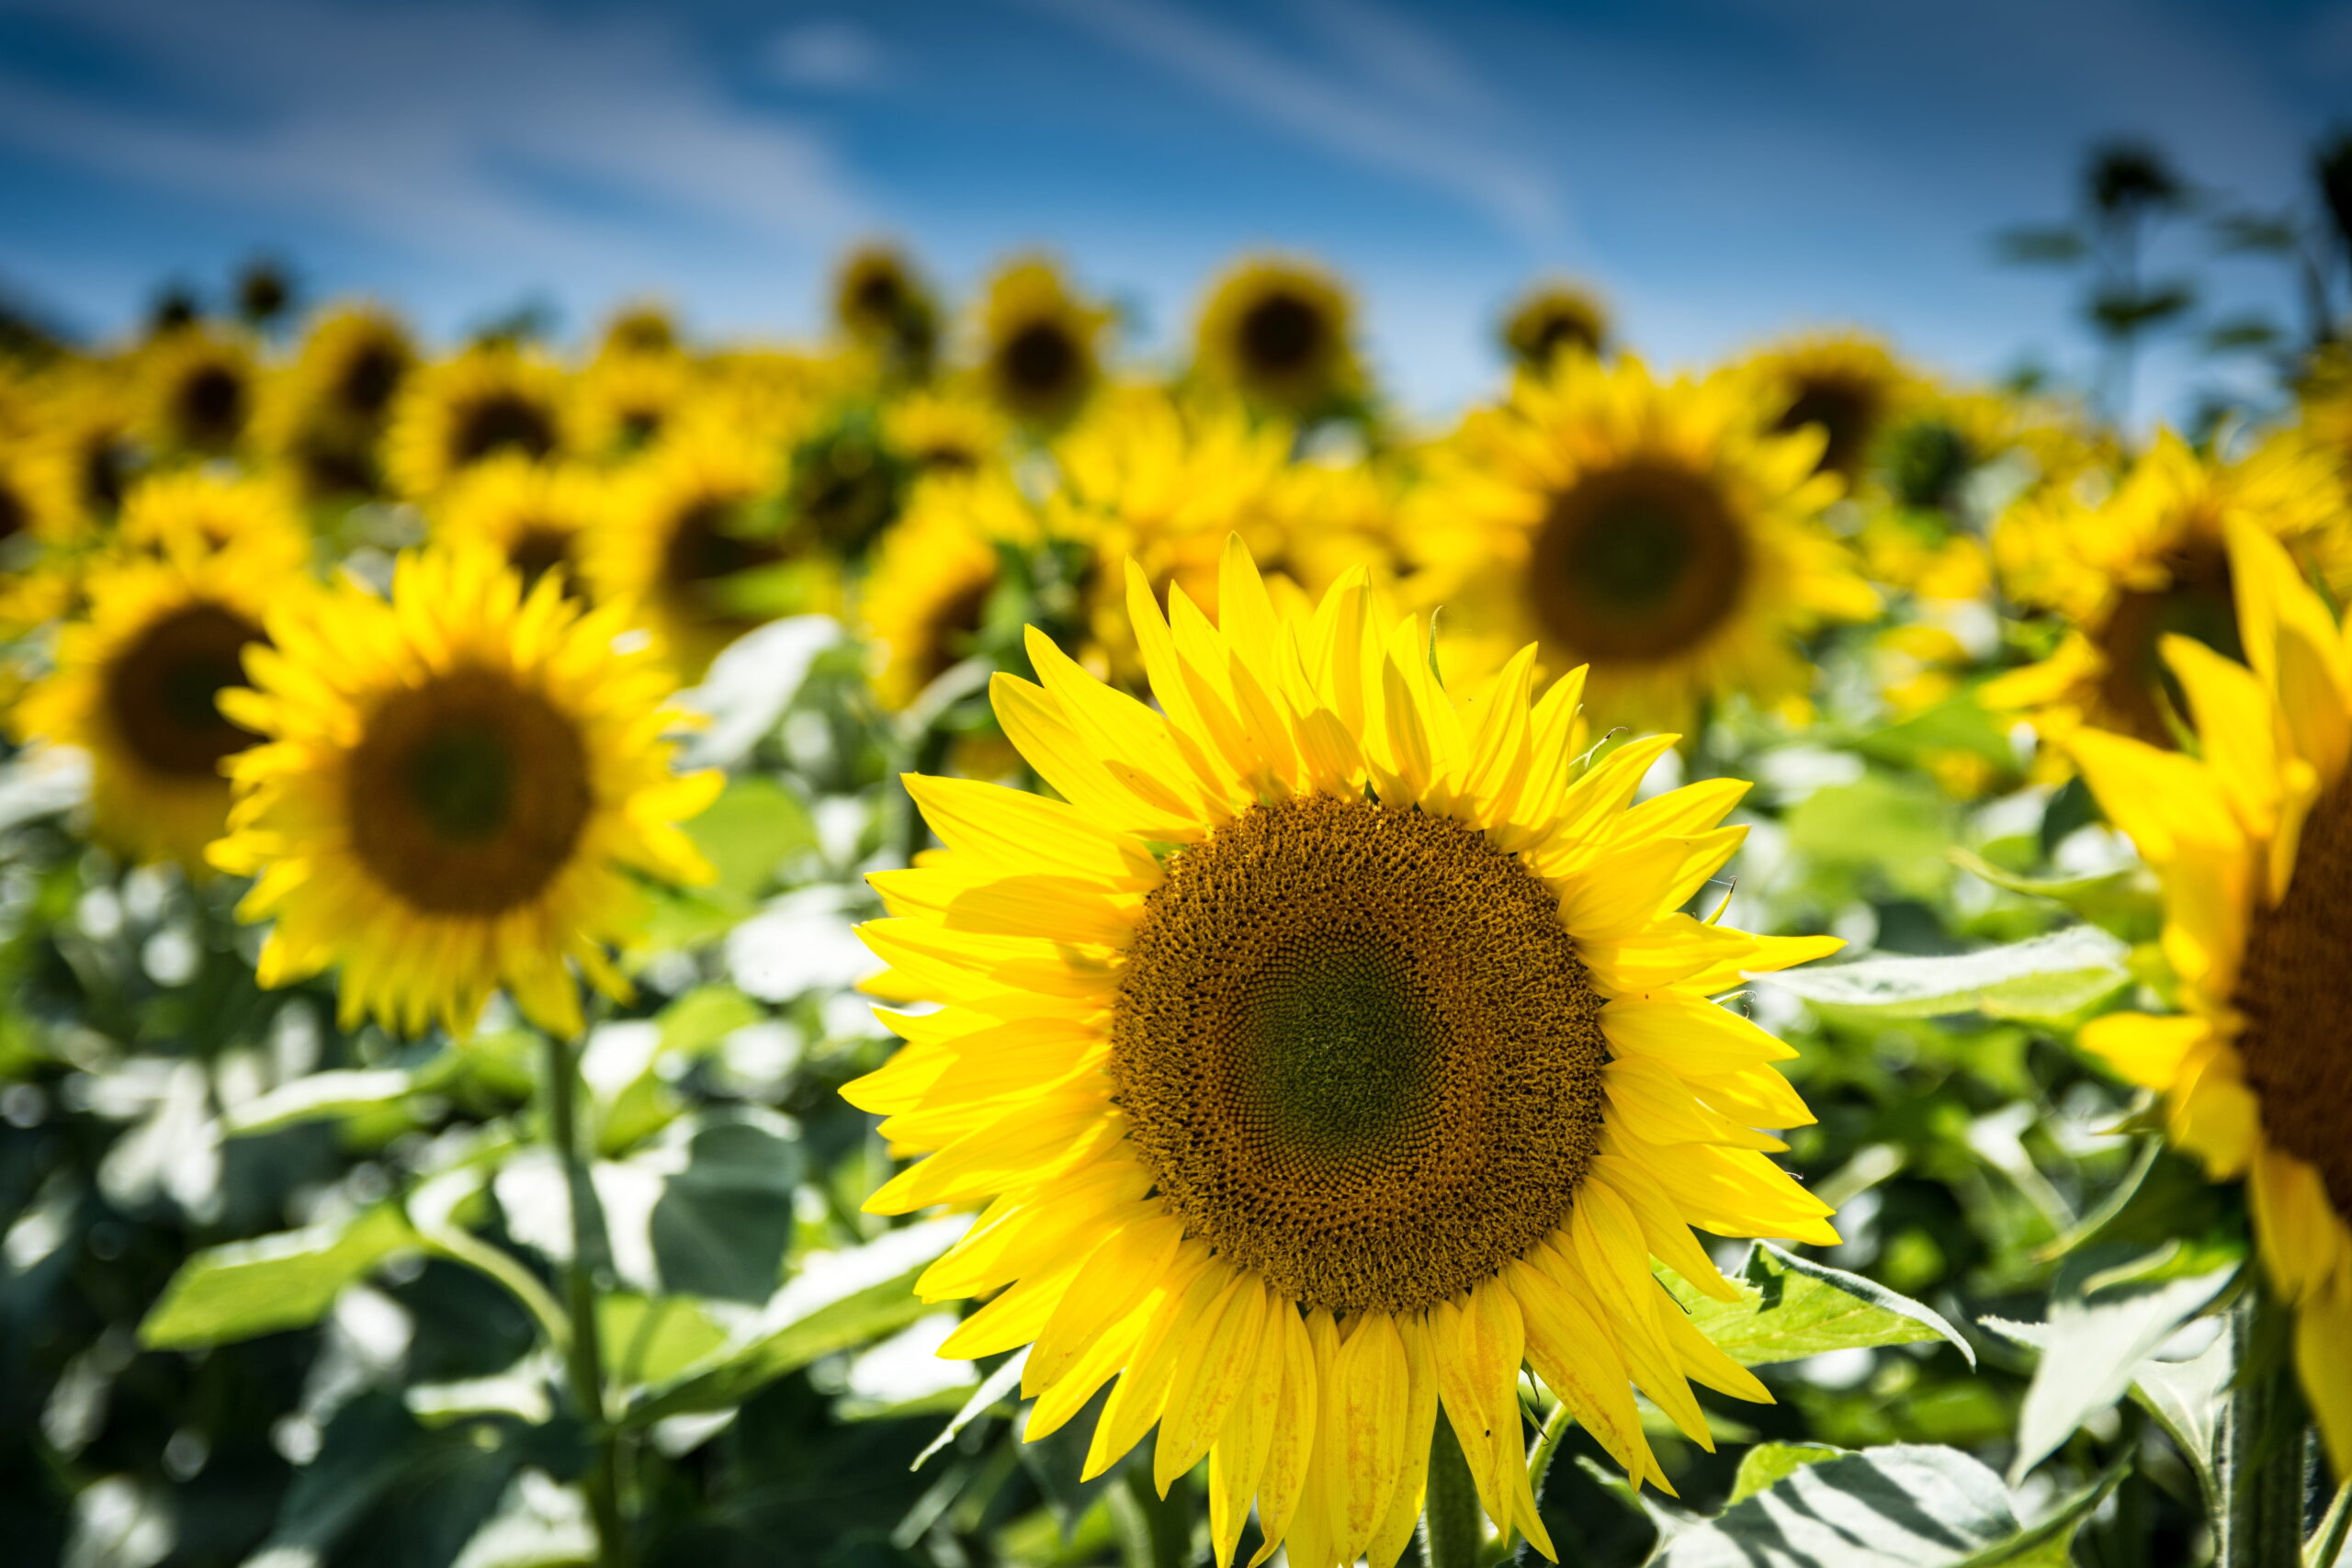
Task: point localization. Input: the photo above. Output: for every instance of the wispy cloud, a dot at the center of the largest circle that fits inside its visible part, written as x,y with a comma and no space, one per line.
1367,118
450,129
829,54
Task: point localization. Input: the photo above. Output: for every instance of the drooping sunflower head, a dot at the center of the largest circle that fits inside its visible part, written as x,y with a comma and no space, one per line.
882,304
464,784
535,516
1344,1027
1649,529
201,389
624,402
1279,331
1039,345
488,401
136,685
1845,384
2150,561
2252,842
924,604
695,549
1551,319
209,512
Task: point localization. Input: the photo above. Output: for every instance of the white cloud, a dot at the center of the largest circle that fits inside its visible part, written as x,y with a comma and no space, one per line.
1365,121
488,131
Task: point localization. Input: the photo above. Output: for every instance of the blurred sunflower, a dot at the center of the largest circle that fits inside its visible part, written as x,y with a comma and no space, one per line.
1039,345
535,516
1331,1053
487,401
1652,530
1278,331
1846,384
2148,563
135,686
692,548
350,369
623,403
644,328
943,433
83,460
1553,318
200,391
883,306
211,512
924,602
461,788
2252,842
844,482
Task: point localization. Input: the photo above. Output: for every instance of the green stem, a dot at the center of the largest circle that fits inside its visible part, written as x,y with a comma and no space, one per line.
462,1246
1449,1532
2328,1545
1156,1531
2262,1443
1547,1447
584,1359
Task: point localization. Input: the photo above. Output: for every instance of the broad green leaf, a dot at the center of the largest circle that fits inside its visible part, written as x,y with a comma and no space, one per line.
705,1016
1792,1307
746,833
1002,1384
345,1092
1900,1506
2048,977
1882,828
2187,1399
648,1340
724,1220
2123,901
2091,1346
286,1280
1766,1464
839,1301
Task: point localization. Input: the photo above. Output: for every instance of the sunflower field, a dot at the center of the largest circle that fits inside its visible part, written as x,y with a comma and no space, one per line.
955,947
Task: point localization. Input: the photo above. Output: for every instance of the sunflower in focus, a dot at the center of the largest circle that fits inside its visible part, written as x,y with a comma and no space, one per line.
883,306
1651,530
1278,331
200,391
692,550
2150,561
488,401
1327,1052
1846,384
461,788
2252,842
535,516
925,602
136,686
254,520
1039,344
1553,318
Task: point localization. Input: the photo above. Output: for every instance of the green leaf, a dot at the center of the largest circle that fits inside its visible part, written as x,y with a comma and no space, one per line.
2187,1399
724,1220
841,1301
1766,1464
1900,1506
1884,828
2046,978
346,1091
286,1281
2124,901
746,833
1792,1307
650,1338
705,1016
1002,1384
2091,1346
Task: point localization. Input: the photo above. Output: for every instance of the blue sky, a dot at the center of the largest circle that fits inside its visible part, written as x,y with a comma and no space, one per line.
1722,169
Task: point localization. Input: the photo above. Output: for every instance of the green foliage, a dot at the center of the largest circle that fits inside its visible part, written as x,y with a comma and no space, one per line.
1791,1307
273,1282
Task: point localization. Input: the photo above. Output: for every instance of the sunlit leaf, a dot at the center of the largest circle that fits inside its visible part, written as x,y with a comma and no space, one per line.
2045,977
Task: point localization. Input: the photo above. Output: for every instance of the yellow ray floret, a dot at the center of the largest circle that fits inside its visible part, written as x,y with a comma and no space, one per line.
2253,845
1330,1051
462,788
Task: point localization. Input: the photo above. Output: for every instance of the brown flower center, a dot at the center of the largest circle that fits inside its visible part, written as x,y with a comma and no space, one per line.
160,689
467,795
1282,335
1638,563
1041,365
2195,602
1358,1051
208,407
1847,408
501,421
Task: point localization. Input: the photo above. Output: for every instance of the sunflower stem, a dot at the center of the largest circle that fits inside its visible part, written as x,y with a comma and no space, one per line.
1449,1532
584,1357
2262,1442
1156,1531
2328,1545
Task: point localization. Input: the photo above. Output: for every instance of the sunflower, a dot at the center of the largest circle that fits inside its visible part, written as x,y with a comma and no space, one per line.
83,460
349,371
1279,331
1552,318
1847,384
135,686
200,392
941,432
925,602
624,402
691,548
461,788
1652,530
643,328
536,516
1333,1051
484,401
1039,354
2150,560
254,520
2253,845
883,306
